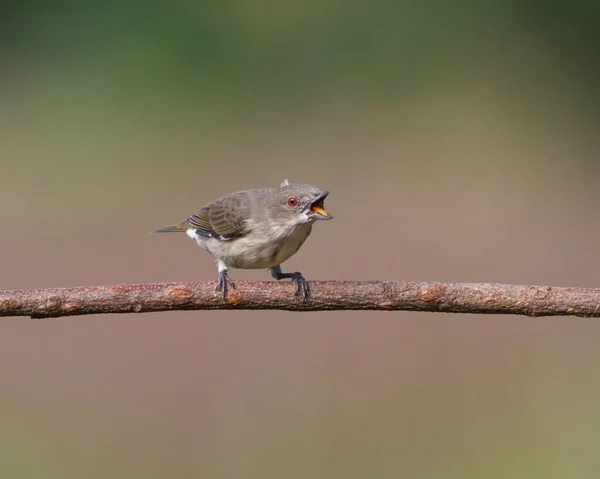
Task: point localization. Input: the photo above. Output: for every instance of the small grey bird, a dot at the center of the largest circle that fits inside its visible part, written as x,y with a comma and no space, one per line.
256,229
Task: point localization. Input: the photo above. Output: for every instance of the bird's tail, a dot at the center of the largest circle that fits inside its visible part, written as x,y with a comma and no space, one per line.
172,229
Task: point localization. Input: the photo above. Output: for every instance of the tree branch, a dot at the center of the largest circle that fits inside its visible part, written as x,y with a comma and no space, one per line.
483,298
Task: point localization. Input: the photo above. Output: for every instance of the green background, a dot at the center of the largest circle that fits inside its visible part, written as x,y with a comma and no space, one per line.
460,143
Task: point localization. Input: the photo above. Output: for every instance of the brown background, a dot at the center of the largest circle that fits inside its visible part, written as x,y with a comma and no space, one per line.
479,170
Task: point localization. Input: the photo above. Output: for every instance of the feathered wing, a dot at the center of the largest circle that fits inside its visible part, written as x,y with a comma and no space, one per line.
224,218
200,221
197,220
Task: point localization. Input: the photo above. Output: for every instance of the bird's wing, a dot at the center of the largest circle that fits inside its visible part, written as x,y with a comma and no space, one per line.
228,216
224,218
201,222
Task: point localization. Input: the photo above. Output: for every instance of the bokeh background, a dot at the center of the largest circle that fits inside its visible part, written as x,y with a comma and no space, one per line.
460,143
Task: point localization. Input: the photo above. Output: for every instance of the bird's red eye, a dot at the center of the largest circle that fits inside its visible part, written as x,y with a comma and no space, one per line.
292,201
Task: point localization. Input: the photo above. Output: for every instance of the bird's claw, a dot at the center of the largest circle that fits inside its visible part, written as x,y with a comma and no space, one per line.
301,285
222,281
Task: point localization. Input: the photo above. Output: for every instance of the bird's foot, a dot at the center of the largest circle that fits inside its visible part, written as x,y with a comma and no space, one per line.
222,281
301,284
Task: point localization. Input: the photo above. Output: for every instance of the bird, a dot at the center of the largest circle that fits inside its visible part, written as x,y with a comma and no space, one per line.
256,229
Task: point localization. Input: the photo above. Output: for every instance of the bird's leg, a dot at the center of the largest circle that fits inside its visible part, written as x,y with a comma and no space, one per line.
301,283
223,279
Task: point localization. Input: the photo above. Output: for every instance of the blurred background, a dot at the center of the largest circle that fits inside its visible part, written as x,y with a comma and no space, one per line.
460,143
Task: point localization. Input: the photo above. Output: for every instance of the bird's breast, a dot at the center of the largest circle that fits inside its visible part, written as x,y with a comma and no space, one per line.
263,250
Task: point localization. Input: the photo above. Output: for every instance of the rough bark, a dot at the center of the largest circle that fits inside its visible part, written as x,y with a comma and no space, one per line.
483,298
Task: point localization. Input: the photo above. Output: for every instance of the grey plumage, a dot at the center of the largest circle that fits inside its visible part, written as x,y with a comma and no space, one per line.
256,229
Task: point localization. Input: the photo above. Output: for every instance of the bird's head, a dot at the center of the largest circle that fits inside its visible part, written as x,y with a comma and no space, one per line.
301,203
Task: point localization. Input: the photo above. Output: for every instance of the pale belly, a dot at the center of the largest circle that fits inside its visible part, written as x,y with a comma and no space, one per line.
255,252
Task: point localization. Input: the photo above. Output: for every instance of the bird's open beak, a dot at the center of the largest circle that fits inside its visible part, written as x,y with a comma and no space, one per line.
318,208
